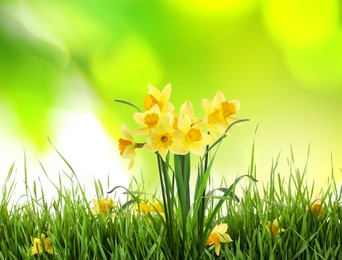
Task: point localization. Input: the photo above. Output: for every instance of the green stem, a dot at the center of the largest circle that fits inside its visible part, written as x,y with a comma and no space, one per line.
168,199
201,210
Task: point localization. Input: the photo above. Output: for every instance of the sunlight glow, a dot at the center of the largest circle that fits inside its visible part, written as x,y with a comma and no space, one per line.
83,143
205,7
302,24
113,67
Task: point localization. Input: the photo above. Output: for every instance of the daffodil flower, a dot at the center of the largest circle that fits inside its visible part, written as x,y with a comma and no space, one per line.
217,236
127,145
219,113
37,247
164,138
102,206
160,98
150,207
317,207
274,227
192,139
147,120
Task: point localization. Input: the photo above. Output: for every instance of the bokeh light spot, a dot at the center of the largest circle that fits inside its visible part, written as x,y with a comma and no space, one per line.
128,64
301,24
213,7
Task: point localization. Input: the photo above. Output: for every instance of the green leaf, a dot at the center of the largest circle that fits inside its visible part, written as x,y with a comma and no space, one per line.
127,103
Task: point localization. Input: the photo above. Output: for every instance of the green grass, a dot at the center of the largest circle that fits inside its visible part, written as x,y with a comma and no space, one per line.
77,234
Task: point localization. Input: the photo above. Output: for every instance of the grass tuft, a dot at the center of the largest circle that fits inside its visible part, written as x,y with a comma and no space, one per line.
304,230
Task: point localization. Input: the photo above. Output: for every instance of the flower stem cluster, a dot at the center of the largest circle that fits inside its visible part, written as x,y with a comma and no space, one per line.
167,132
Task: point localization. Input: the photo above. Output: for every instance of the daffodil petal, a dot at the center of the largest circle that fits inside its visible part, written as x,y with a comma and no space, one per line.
197,148
206,106
154,92
34,250
187,109
163,153
129,152
236,103
219,98
221,229
166,92
126,132
131,164
217,248
225,238
139,118
178,147
184,123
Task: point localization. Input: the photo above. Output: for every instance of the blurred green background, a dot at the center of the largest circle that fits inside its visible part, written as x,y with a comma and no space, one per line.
62,63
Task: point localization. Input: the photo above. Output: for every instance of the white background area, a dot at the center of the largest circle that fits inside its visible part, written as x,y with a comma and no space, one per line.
83,143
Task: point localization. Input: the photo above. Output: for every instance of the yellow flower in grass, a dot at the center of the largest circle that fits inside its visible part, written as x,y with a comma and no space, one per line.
274,228
102,206
317,207
165,138
217,236
160,98
192,139
150,207
37,247
219,113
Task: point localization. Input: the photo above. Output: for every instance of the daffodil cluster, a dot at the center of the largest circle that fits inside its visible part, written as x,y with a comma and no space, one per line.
166,130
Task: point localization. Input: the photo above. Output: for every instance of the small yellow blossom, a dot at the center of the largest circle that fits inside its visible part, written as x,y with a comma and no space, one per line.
147,120
219,113
150,207
102,205
160,98
317,207
275,227
127,145
37,245
193,139
219,235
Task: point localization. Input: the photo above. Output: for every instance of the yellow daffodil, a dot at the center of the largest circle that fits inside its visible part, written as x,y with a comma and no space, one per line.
127,145
160,98
317,207
219,235
147,120
37,247
219,113
150,207
192,139
274,228
164,138
102,206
